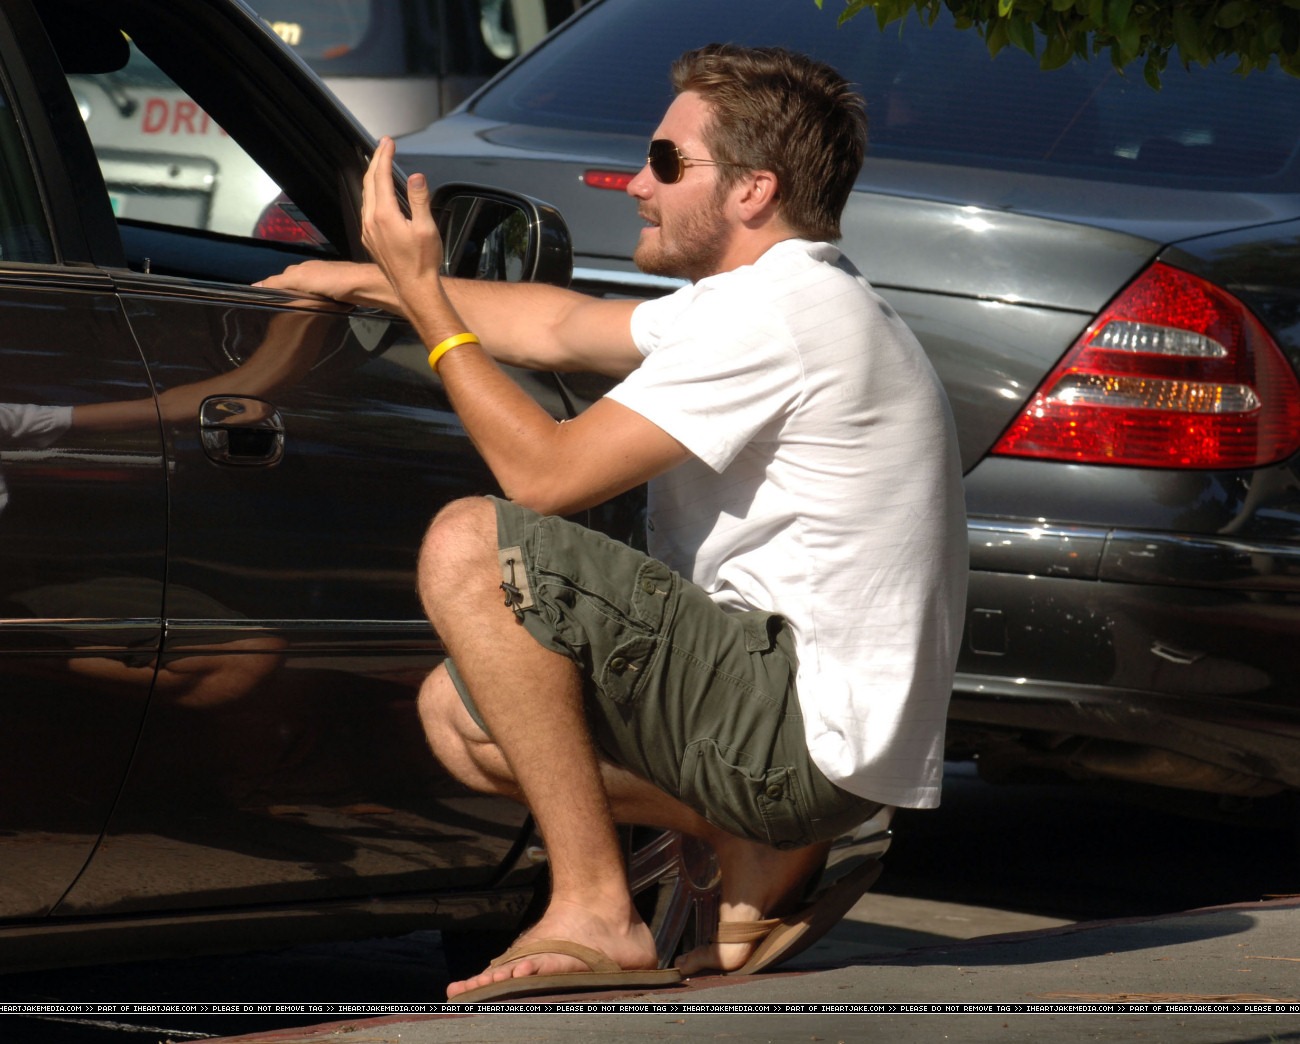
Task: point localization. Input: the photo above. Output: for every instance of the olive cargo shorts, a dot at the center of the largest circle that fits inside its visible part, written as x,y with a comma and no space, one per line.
698,700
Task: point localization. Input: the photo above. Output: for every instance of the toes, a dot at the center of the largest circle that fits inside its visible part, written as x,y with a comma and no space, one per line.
485,978
702,958
714,957
515,969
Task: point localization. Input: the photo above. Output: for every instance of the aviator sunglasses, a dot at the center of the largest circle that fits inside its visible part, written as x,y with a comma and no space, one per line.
668,165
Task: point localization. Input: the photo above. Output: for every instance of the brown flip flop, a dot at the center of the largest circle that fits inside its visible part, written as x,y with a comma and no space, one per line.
780,938
605,974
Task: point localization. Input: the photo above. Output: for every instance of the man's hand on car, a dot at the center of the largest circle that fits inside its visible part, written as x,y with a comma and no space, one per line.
349,281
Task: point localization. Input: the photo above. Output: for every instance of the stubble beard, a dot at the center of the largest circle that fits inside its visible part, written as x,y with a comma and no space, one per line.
698,241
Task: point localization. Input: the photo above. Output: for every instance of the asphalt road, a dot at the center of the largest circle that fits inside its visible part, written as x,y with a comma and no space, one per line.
993,859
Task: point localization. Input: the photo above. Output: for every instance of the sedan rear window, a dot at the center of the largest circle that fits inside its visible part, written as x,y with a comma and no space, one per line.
932,94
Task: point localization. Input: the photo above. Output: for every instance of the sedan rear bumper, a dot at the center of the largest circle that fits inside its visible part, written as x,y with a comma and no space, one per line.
1134,556
1159,657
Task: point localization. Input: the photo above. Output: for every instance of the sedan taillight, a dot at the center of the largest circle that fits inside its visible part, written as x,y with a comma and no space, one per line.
1174,373
283,222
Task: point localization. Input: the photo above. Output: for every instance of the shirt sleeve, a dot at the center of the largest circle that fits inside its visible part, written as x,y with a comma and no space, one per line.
718,369
26,425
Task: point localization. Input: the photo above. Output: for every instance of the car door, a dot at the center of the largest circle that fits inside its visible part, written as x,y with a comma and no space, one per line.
83,512
306,447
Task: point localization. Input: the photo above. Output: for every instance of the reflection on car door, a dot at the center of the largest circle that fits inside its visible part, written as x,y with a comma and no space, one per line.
307,450
303,450
82,533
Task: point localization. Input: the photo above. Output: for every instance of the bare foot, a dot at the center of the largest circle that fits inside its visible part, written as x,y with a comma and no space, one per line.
623,938
758,882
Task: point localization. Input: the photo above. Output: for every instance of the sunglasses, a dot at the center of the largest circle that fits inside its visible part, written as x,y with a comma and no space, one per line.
668,165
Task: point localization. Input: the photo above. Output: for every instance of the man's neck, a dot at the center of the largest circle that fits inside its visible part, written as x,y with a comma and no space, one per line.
748,248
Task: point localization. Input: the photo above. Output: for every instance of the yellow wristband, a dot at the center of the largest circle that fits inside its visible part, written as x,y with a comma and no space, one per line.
443,347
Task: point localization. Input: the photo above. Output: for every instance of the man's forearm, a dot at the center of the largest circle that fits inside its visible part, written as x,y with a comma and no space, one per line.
509,429
531,325
542,327
347,281
510,319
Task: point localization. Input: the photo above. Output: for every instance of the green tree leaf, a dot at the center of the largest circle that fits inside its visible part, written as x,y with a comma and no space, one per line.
997,38
1187,35
1021,33
1230,15
1151,72
1256,33
1058,51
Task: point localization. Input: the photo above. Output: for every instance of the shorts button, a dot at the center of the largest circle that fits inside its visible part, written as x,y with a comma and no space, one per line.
618,664
774,792
648,586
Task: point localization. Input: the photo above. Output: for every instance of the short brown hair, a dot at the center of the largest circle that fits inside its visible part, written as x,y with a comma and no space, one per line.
773,109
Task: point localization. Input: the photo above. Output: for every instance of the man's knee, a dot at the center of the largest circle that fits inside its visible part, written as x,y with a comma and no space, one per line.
461,538
441,708
462,527
458,740
455,738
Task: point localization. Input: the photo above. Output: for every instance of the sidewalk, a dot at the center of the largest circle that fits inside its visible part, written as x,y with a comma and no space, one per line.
1139,980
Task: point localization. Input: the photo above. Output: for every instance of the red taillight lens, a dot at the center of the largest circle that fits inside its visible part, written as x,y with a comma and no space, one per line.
1174,373
283,222
614,180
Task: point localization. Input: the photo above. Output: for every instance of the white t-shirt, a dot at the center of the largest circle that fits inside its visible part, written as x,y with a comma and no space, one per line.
825,486
25,425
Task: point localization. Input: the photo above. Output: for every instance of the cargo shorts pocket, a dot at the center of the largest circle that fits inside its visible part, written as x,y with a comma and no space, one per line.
732,792
626,670
622,582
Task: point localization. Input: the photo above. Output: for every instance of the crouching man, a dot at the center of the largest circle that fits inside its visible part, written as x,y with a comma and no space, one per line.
779,666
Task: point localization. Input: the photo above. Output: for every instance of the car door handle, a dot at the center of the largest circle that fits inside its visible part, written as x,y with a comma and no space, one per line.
241,431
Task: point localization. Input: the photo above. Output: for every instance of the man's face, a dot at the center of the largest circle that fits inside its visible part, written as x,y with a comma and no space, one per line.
688,230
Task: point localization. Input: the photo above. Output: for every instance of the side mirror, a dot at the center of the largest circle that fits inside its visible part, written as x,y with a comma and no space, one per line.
502,236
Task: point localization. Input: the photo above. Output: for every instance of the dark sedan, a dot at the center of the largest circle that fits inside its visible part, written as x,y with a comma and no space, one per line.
1107,279
211,497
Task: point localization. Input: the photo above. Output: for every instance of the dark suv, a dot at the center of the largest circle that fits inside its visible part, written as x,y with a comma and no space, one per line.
1107,279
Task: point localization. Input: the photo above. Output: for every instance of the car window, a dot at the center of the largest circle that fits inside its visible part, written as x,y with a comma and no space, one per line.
932,94
24,234
166,161
323,31
389,38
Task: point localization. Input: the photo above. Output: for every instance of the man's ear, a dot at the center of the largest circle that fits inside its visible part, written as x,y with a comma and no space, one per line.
758,201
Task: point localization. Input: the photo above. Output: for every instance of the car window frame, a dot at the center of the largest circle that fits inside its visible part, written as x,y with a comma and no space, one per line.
283,117
287,122
23,206
62,161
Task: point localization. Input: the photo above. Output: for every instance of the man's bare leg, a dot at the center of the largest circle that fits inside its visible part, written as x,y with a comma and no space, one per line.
530,699
758,881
